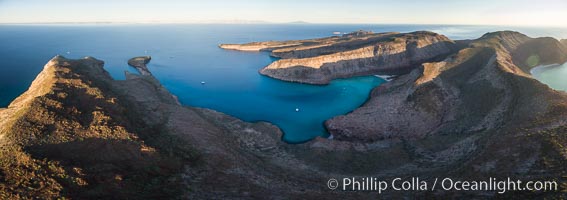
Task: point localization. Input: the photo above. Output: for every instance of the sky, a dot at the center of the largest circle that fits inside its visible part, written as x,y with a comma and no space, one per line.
481,12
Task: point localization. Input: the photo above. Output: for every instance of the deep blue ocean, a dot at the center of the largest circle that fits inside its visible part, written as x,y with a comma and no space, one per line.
185,55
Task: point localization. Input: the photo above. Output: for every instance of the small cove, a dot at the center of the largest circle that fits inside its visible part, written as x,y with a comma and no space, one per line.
552,75
185,55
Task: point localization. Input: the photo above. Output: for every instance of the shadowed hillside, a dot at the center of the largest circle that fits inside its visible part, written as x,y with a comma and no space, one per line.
473,114
355,54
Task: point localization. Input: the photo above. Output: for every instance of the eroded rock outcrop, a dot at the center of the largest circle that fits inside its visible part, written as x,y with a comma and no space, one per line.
361,54
470,91
347,42
140,64
73,134
78,133
480,105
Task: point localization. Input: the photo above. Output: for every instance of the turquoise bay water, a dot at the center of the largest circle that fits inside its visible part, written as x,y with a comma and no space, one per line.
552,75
185,55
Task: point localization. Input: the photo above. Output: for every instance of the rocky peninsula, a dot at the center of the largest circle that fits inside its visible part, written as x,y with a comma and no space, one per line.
77,133
480,105
140,64
287,46
475,90
477,113
360,53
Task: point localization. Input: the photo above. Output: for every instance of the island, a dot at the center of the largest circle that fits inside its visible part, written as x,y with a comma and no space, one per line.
475,113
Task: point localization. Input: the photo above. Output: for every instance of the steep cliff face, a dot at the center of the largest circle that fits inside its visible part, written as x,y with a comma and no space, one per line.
347,42
78,133
470,91
318,61
479,106
388,55
69,135
140,64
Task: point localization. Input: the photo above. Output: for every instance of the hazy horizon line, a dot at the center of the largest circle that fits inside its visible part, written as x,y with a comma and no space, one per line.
251,22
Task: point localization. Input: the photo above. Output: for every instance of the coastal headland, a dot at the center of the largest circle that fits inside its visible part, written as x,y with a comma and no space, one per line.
461,109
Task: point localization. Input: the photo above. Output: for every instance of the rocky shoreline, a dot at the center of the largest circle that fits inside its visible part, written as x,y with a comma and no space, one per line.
281,48
78,133
438,99
82,132
362,53
140,64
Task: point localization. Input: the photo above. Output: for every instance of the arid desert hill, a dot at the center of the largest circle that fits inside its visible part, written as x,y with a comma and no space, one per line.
466,110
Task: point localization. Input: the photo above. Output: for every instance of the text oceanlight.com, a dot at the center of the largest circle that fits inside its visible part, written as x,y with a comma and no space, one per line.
416,184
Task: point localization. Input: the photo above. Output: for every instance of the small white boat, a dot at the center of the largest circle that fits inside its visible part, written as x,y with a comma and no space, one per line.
202,82
297,110
68,52
336,33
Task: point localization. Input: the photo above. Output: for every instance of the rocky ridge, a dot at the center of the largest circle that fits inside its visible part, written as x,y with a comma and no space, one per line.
77,133
434,97
140,64
367,54
478,110
286,46
480,104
